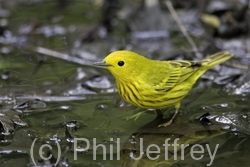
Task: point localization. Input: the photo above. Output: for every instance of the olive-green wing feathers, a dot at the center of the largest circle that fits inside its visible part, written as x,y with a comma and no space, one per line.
188,68
180,70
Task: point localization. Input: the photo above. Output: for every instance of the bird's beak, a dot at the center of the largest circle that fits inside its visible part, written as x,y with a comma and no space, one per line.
101,64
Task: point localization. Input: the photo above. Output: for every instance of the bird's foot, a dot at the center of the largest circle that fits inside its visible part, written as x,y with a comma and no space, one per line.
171,120
135,117
165,124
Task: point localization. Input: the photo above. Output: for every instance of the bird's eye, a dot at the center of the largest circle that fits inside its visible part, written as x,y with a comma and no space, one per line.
120,63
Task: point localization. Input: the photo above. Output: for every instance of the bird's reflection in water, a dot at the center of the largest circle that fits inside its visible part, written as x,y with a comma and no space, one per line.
152,146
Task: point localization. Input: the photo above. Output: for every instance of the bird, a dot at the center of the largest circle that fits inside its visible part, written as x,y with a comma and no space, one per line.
156,84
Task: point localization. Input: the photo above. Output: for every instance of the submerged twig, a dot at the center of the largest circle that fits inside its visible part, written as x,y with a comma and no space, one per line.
59,55
239,66
178,21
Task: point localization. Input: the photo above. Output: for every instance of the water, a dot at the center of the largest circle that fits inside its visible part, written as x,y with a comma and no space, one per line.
58,105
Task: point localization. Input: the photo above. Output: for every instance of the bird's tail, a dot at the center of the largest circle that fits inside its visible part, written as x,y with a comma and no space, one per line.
216,58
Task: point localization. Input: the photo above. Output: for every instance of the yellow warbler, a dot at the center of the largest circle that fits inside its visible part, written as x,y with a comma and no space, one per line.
153,84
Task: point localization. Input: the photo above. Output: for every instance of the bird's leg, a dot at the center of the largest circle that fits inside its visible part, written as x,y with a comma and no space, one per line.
171,120
136,116
177,106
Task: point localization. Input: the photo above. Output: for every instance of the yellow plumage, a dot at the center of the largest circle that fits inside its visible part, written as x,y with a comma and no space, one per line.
153,84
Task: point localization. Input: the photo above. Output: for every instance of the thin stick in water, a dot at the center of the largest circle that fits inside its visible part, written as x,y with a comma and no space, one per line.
178,21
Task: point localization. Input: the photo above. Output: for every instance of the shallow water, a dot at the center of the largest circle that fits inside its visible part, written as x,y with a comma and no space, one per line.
63,103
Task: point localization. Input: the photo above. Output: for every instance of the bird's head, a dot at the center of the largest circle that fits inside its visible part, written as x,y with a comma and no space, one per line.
124,64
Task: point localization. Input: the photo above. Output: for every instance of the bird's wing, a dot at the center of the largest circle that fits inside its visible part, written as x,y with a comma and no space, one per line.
188,68
180,70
